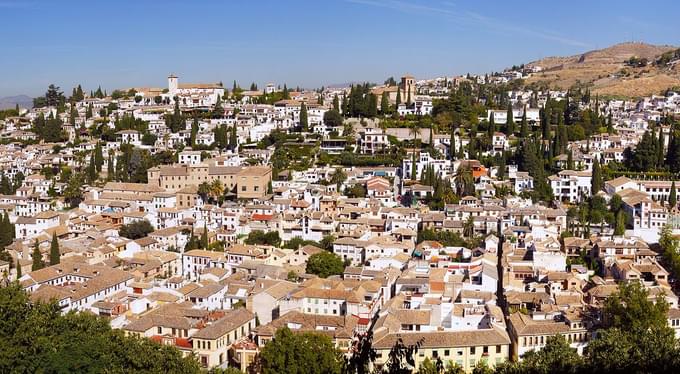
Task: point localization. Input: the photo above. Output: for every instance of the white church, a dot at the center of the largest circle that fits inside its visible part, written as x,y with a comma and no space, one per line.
193,95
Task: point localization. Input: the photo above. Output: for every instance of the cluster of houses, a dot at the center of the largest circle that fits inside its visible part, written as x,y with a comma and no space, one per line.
518,282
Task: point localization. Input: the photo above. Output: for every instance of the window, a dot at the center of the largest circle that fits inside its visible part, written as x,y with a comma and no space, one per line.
472,350
446,353
160,330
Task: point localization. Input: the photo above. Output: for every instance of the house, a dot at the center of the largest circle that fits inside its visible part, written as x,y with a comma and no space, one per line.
211,343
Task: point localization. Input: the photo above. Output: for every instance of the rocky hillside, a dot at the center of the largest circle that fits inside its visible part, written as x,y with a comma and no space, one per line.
609,71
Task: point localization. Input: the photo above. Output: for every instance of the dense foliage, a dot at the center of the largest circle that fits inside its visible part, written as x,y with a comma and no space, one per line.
136,230
260,237
325,264
300,353
36,338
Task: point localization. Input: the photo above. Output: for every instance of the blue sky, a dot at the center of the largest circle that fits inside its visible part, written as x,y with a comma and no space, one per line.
308,43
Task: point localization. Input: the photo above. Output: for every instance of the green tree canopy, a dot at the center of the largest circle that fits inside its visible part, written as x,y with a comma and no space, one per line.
37,338
136,230
300,353
324,264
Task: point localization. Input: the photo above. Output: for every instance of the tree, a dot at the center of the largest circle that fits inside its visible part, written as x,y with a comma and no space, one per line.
464,181
18,266
469,227
36,256
556,357
636,336
98,157
384,103
218,110
332,118
338,177
55,255
327,242
54,96
300,353
73,193
194,132
524,127
510,122
233,139
673,198
304,122
36,337
336,104
6,230
325,264
136,230
88,111
204,238
596,182
259,237
620,223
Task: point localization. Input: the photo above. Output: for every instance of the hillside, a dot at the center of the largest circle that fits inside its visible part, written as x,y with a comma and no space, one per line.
607,73
9,102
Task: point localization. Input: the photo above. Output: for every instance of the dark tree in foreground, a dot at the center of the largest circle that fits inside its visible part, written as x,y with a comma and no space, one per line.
300,353
37,338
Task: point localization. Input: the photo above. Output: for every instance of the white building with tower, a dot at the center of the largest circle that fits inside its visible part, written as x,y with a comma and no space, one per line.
194,95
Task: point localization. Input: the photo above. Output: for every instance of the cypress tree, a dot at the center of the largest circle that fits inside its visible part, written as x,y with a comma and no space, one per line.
524,128
98,157
673,198
492,126
18,269
510,123
384,103
570,160
304,122
54,250
452,142
38,262
596,182
204,237
398,97
501,168
109,168
194,132
4,231
620,223
660,149
233,138
336,103
92,170
414,169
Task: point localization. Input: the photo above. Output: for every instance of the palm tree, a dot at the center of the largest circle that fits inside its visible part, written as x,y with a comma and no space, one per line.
469,227
464,181
216,189
204,191
414,130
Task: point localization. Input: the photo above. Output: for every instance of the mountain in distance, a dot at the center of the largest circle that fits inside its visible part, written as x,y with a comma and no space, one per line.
608,71
10,102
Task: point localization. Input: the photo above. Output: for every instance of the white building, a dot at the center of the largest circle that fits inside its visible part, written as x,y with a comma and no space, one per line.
570,185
